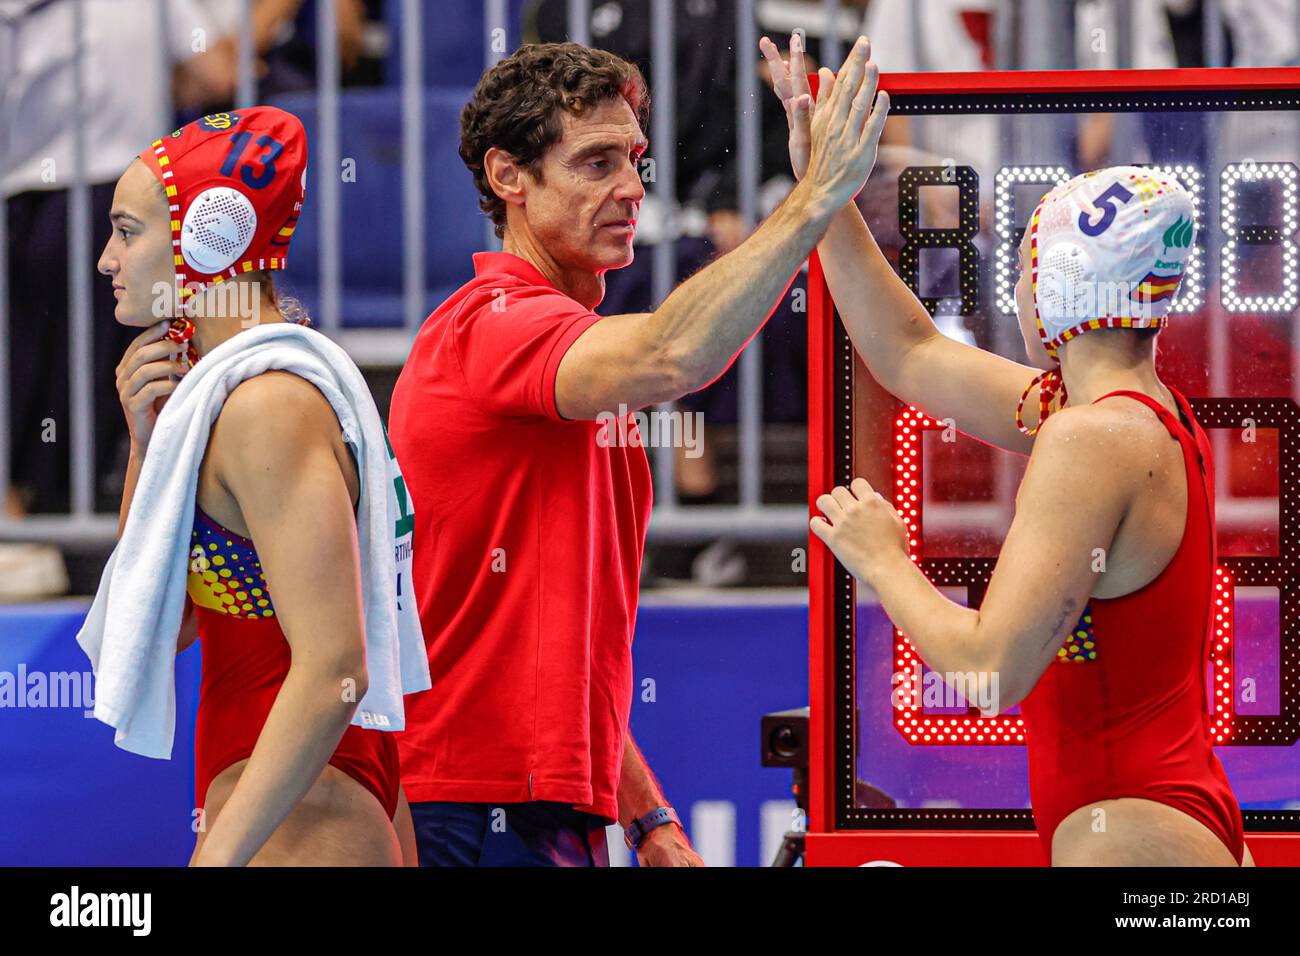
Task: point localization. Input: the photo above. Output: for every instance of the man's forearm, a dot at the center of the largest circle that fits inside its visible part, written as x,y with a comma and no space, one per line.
708,319
638,790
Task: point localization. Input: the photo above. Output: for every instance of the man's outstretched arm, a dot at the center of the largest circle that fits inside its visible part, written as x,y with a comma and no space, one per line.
639,360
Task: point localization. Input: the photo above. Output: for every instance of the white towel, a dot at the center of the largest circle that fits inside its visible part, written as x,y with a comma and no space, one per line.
131,629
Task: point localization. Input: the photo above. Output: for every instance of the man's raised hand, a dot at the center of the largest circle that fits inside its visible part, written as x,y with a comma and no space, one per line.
845,128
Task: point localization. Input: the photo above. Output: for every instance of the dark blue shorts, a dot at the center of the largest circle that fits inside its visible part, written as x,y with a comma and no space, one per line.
538,833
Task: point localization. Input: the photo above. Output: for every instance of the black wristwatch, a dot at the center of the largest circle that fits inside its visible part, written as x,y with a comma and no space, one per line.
635,833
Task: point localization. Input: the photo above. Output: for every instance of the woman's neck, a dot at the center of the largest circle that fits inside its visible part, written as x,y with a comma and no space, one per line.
1108,360
221,312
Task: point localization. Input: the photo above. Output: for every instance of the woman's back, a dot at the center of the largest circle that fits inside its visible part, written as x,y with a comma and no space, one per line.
1123,711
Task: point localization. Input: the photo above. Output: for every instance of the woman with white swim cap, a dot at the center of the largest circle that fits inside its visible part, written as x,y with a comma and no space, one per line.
1108,665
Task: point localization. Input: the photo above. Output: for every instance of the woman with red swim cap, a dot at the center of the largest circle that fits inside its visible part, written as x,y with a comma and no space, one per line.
1098,615
201,220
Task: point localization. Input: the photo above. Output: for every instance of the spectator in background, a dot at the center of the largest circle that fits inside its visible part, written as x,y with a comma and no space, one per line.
1262,33
284,50
1168,137
290,63
125,52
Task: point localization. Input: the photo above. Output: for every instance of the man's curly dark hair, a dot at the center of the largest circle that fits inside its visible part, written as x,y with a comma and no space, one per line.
516,106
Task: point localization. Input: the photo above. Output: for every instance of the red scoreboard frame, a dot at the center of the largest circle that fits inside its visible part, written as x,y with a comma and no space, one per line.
829,842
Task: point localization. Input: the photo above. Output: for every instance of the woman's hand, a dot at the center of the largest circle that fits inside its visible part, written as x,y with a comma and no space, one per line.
790,83
143,381
861,528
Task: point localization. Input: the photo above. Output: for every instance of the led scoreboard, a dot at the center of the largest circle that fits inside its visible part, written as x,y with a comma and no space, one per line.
966,160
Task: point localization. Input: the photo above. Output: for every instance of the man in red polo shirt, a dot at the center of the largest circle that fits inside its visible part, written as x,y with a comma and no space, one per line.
530,514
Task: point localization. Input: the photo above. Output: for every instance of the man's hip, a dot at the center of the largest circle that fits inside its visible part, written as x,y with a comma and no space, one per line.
536,833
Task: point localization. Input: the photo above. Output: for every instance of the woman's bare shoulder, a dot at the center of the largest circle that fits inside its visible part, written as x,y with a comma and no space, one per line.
273,414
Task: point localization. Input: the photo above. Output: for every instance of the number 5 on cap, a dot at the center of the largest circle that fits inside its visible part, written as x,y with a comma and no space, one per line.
1117,192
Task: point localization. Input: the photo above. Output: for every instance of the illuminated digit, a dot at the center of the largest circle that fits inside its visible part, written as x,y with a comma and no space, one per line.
920,728
1008,234
915,237
1191,291
1233,175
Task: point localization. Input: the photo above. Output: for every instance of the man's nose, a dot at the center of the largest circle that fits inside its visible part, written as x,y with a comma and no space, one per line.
630,187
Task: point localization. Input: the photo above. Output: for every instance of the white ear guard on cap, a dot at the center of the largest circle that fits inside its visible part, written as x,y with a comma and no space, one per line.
1108,250
218,227
1061,282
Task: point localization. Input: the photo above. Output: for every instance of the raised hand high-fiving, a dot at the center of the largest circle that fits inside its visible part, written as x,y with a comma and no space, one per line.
836,141
790,83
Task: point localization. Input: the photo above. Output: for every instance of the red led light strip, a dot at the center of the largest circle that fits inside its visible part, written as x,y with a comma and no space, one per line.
1221,712
910,718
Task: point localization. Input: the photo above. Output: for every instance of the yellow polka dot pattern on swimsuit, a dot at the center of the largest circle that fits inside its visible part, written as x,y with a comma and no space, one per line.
225,573
1081,644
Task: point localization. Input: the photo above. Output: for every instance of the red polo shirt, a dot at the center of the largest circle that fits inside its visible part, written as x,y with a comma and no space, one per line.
528,543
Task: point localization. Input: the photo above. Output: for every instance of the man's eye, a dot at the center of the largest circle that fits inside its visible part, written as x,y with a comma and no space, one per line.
124,233
599,163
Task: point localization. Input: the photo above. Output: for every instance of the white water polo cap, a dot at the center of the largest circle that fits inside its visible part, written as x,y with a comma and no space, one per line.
1108,249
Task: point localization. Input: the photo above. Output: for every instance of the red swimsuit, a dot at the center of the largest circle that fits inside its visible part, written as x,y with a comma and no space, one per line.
1122,712
245,660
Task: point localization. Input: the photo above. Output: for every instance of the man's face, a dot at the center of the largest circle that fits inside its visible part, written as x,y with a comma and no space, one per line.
138,255
585,206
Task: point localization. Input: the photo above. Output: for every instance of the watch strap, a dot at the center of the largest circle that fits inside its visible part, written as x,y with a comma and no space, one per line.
657,817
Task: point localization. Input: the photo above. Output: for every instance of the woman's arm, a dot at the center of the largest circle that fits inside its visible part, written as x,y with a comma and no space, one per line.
144,382
404,824
1075,493
888,325
277,459
904,350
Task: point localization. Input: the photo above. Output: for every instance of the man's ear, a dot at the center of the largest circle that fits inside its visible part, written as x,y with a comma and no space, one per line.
505,176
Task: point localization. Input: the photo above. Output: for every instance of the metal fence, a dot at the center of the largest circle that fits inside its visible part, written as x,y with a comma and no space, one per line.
1029,36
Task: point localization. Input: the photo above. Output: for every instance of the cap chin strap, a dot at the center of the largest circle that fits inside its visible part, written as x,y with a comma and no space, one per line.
181,331
1051,385
1050,382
